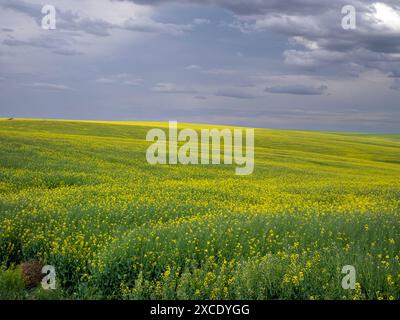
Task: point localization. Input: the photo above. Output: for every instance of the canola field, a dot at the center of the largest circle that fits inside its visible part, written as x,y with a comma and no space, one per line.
80,196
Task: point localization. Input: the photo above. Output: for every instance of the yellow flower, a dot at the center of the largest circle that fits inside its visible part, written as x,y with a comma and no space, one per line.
390,280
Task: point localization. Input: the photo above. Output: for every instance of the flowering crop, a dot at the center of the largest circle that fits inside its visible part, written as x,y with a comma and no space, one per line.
82,197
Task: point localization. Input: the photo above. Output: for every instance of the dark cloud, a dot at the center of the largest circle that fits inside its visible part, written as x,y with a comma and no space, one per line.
262,7
315,30
251,7
291,46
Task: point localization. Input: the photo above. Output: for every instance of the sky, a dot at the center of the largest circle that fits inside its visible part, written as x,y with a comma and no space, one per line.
258,63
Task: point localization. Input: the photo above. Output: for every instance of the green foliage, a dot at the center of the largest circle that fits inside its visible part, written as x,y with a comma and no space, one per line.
81,196
43,294
11,284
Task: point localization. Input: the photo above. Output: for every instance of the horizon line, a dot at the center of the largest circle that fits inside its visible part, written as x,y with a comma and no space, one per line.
125,122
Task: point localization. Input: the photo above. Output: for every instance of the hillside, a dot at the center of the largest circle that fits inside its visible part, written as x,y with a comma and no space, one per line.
81,196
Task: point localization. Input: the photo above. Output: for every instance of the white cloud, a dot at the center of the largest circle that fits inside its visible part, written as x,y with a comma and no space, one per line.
200,21
105,81
386,16
121,79
193,67
48,86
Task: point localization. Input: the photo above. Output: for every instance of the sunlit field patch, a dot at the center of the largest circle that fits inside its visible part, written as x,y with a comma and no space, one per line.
81,196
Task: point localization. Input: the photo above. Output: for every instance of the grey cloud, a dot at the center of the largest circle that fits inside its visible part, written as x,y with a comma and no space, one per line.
297,89
33,43
313,58
59,46
314,48
199,97
234,94
30,9
95,27
151,26
216,71
73,26
396,84
73,21
65,19
121,79
200,21
323,43
246,84
133,83
40,42
105,81
221,72
250,7
394,74
262,7
172,88
67,52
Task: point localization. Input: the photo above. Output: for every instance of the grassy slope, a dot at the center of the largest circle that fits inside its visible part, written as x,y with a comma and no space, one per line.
81,196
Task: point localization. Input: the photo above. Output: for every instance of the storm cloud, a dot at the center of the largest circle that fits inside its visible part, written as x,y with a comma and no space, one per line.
275,63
